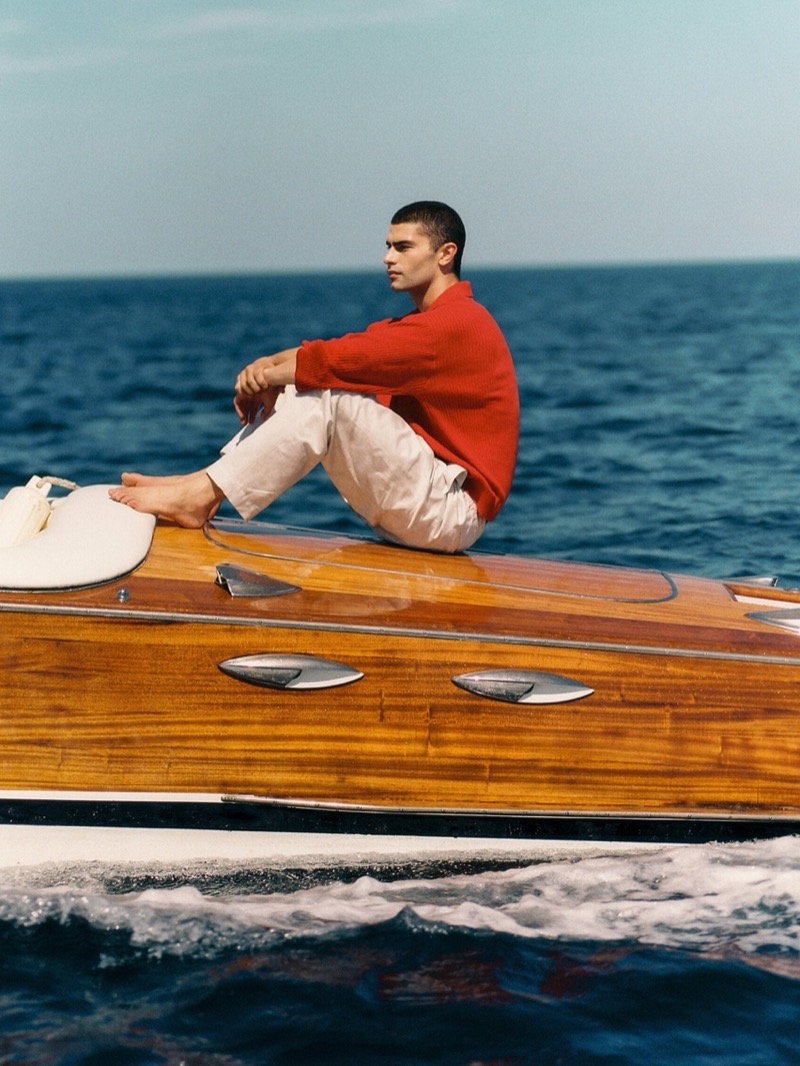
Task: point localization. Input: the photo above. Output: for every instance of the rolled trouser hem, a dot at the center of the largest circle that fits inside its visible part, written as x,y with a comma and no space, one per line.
237,497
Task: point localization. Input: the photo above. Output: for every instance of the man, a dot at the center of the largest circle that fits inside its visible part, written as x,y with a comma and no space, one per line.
415,419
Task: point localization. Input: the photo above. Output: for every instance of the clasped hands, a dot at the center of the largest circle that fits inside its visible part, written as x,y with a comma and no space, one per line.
260,383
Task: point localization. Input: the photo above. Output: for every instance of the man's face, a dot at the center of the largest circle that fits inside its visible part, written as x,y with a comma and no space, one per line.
411,262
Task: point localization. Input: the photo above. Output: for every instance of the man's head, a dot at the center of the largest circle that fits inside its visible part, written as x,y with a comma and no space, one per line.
439,222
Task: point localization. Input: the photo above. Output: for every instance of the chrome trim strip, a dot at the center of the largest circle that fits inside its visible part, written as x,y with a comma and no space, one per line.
505,812
165,617
111,796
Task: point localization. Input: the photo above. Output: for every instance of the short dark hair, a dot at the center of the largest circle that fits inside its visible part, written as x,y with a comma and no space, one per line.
441,223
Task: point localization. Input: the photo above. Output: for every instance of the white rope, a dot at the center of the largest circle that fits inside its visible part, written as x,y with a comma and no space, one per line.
57,482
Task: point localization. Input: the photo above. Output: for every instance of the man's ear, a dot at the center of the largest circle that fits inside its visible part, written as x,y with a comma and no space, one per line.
447,253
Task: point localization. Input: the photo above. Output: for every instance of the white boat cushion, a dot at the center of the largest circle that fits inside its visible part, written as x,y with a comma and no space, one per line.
89,539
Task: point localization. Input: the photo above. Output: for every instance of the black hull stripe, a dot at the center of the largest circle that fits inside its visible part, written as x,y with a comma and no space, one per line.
259,817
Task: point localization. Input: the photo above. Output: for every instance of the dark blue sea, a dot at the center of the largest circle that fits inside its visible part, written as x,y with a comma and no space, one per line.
661,428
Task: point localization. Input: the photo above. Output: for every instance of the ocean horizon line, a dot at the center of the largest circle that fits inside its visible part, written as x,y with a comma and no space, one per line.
366,271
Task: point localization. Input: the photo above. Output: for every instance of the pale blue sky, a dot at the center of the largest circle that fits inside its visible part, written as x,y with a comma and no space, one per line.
150,136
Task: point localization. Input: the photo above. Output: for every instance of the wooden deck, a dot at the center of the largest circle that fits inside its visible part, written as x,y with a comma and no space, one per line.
695,707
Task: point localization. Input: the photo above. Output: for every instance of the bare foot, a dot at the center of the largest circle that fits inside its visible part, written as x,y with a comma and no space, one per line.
132,479
188,500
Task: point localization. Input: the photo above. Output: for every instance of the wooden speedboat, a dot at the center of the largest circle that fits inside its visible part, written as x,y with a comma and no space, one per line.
277,693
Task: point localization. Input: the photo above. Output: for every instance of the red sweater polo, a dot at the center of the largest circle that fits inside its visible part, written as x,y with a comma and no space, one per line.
448,372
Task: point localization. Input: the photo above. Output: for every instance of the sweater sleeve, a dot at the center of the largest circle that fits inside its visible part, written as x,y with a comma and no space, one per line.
397,355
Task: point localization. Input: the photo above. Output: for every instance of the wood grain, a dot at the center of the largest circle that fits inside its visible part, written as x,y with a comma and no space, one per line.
695,706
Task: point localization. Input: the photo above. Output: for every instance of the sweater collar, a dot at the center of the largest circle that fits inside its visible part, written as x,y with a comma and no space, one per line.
461,290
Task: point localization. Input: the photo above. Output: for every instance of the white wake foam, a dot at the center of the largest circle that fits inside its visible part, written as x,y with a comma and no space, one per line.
742,899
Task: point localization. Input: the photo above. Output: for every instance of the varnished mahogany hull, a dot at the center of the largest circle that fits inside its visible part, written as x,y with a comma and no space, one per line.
694,710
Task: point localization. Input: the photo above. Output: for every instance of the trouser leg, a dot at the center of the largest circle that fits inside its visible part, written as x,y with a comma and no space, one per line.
389,475
264,460
384,470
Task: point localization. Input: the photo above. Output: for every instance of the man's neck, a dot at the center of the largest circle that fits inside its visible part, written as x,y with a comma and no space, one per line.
423,300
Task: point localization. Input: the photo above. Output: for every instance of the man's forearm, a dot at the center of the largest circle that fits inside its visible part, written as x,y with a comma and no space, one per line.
268,372
260,382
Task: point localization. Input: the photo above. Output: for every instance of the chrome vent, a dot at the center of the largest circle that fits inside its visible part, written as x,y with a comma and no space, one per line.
289,671
522,686
785,618
239,582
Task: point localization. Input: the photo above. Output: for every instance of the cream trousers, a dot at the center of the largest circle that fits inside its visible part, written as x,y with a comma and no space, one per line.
384,470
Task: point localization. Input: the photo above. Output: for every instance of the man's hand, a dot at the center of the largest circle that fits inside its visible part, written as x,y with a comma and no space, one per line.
260,383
